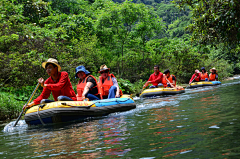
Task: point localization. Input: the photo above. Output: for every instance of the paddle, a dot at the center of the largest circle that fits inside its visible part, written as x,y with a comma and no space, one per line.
191,82
169,82
141,90
26,104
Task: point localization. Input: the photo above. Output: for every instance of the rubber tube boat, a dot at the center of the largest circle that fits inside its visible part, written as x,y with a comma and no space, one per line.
64,111
204,83
161,91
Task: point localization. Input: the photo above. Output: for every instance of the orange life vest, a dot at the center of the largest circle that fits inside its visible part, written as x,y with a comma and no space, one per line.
212,77
204,76
81,86
164,81
106,85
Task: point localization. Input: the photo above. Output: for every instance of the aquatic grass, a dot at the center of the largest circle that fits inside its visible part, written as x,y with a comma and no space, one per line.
10,107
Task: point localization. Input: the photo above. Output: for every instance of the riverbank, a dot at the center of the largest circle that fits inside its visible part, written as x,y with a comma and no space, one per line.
12,100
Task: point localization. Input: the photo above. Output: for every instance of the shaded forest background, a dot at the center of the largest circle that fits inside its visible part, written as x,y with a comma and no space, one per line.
130,37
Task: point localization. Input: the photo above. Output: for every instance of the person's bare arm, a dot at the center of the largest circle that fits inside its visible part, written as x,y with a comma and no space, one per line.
86,89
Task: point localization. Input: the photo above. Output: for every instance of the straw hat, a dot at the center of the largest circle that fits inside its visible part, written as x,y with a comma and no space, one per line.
213,69
103,68
53,61
81,68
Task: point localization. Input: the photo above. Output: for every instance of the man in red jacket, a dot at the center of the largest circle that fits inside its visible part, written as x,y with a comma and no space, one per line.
196,77
155,79
58,83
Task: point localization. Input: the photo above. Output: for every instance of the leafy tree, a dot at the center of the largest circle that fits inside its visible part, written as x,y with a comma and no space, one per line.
24,46
119,26
214,21
175,19
35,10
177,55
70,6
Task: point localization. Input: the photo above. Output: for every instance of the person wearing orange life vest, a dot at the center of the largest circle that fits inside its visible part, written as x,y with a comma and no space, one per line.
213,75
204,74
169,78
87,85
196,77
108,84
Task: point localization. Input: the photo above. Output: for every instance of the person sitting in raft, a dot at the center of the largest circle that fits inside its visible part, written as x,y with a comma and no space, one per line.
213,75
196,77
87,85
155,78
58,83
169,80
108,84
204,74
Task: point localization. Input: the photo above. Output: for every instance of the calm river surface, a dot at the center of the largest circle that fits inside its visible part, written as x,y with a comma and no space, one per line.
200,123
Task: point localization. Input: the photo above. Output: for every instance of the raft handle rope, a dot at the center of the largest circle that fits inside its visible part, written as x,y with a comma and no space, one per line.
93,103
78,106
40,106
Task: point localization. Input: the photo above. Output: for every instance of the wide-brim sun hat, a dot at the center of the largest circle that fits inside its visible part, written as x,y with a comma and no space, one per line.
53,61
213,69
103,68
81,69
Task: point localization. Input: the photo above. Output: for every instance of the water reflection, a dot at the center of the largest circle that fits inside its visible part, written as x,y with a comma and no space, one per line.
66,142
90,140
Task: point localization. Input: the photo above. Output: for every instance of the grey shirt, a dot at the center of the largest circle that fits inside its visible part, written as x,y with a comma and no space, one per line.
114,80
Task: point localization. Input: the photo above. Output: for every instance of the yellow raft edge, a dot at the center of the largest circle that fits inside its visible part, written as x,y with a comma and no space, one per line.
58,104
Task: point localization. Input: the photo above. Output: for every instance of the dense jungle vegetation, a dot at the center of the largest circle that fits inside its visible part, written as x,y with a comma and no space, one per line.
130,37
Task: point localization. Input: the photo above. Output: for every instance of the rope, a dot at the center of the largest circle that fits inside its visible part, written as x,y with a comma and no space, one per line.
39,114
93,103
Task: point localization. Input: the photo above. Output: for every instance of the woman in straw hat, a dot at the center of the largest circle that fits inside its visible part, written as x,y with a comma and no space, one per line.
196,77
87,85
213,75
58,83
108,84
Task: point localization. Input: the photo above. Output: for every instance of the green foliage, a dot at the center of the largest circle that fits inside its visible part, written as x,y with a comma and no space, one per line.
23,93
130,38
10,107
124,27
34,10
70,6
24,47
214,21
130,88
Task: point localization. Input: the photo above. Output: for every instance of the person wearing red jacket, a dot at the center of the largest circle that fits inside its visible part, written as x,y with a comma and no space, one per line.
155,79
58,84
196,77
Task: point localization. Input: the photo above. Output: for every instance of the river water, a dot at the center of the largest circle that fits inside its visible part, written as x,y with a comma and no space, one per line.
200,123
